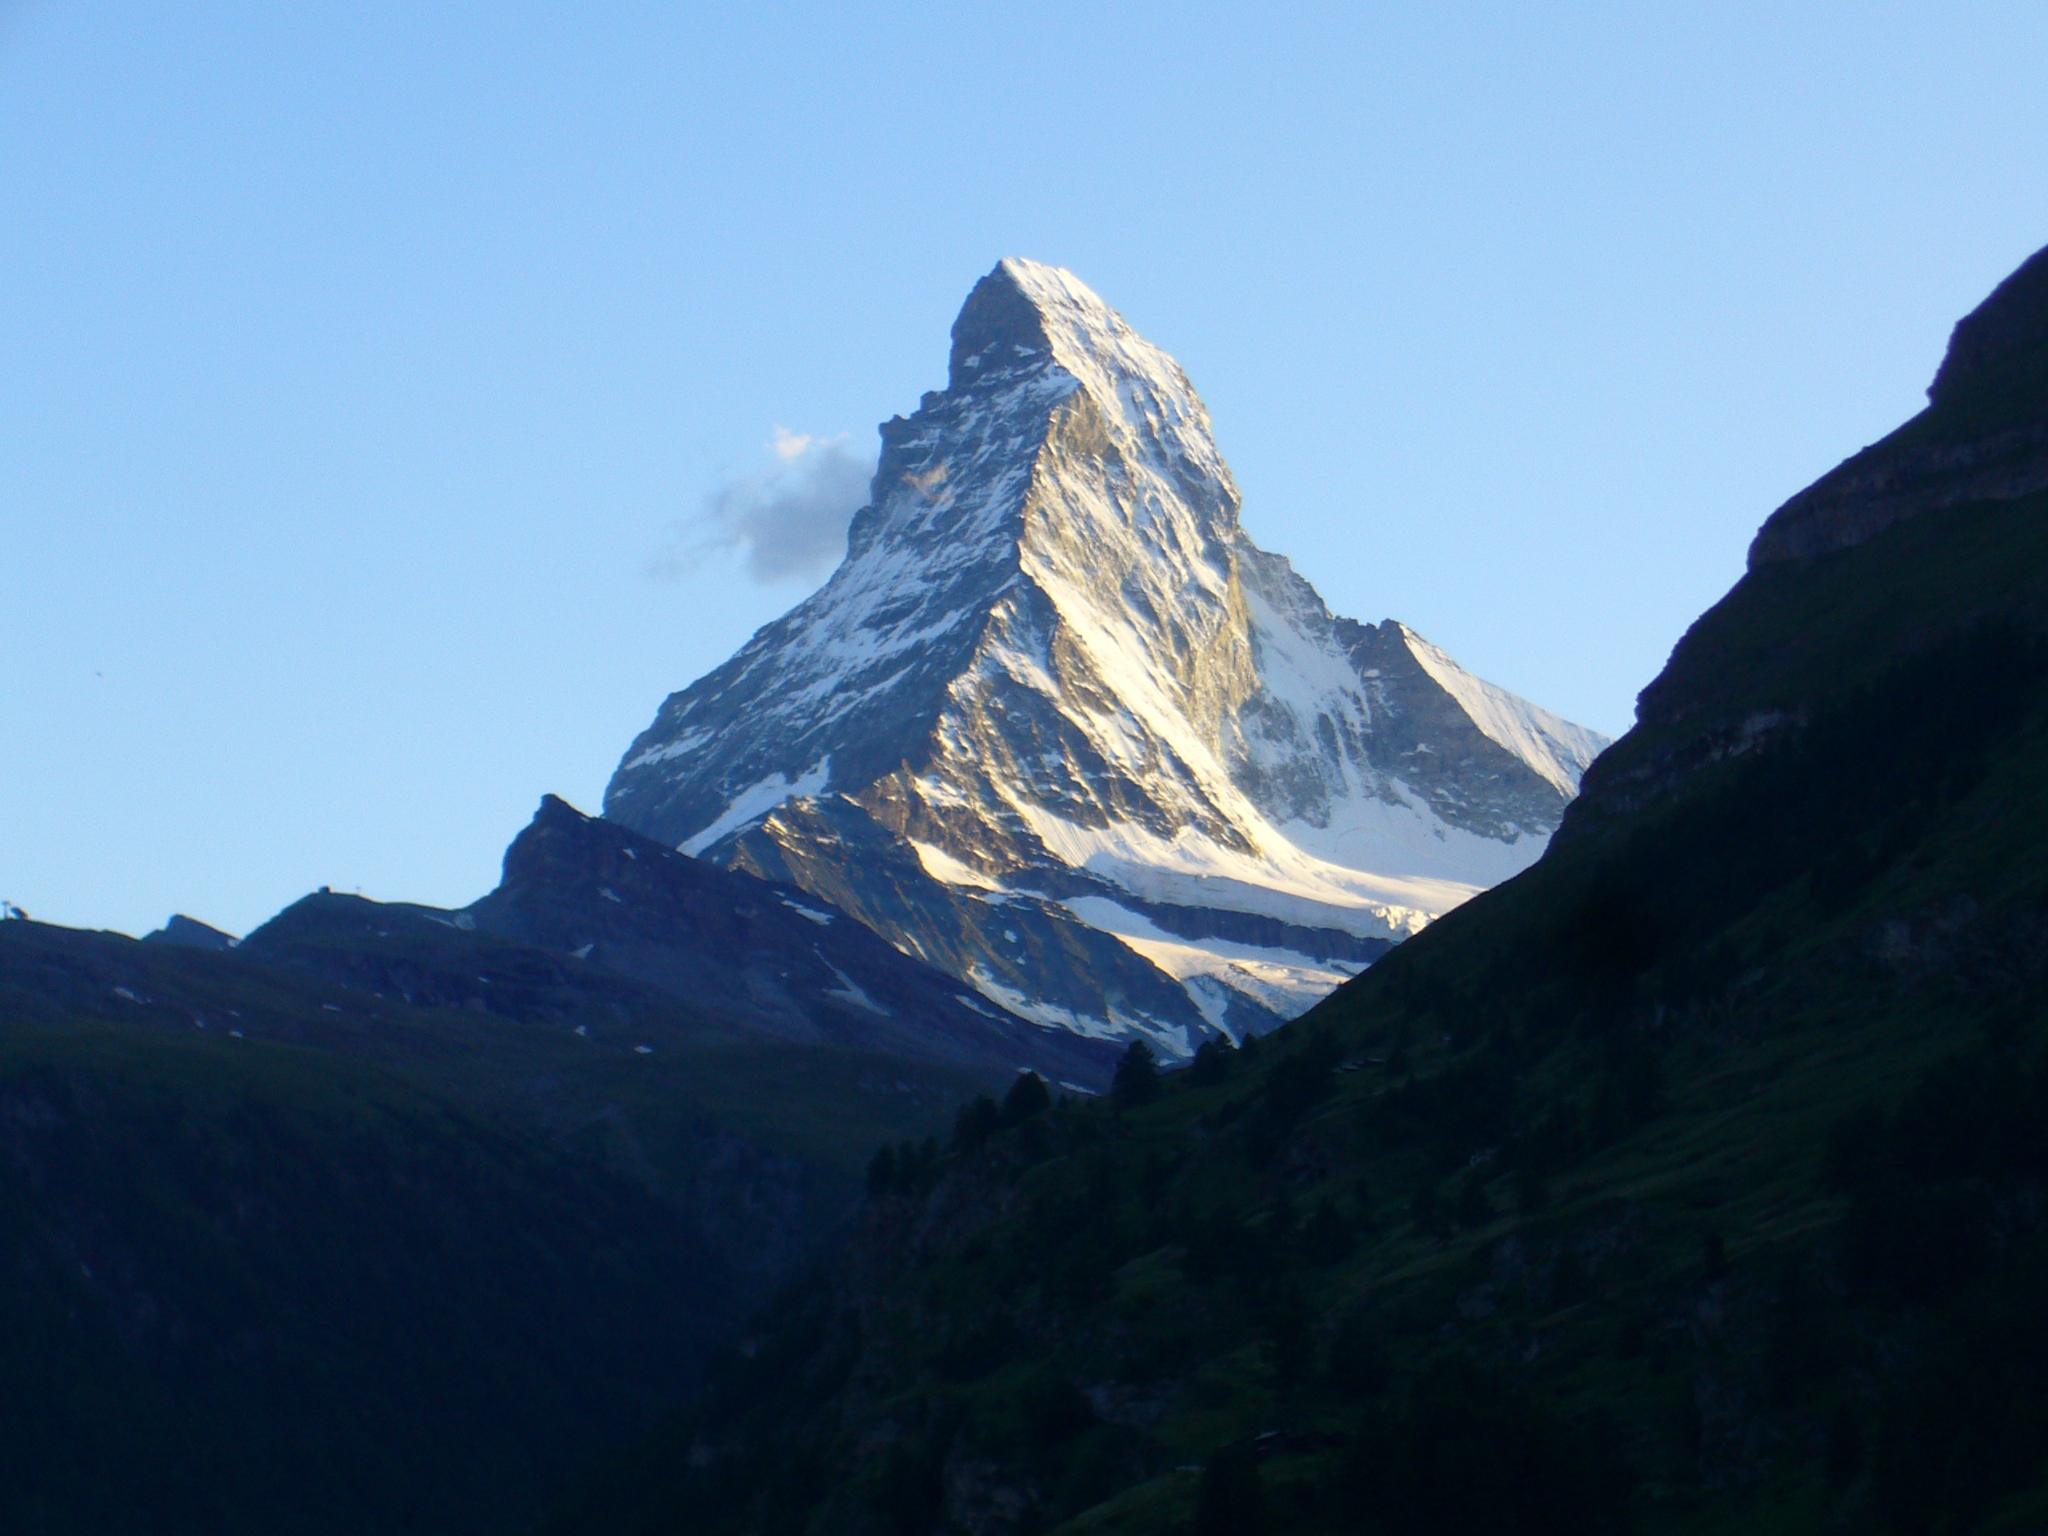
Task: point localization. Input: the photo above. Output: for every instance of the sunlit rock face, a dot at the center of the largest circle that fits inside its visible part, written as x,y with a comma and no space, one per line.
1058,727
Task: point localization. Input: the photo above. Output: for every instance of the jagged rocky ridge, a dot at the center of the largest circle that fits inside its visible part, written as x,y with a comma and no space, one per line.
601,914
755,954
1059,728
190,933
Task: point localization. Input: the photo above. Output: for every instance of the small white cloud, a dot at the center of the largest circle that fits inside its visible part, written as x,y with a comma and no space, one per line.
788,522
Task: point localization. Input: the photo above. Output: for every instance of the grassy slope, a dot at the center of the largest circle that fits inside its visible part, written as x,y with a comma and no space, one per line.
1575,1167
508,1045
290,1256
253,1288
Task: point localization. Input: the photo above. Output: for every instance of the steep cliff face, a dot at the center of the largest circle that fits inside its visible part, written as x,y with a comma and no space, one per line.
1983,436
1057,726
1945,497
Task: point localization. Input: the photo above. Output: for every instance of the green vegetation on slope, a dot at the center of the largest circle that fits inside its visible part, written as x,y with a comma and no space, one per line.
253,1289
1691,1182
711,1117
289,1255
1558,1251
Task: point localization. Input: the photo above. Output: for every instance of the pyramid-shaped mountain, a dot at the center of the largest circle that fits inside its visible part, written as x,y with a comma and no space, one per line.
1057,726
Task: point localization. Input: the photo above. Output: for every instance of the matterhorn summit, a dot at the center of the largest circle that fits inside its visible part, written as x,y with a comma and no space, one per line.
1058,727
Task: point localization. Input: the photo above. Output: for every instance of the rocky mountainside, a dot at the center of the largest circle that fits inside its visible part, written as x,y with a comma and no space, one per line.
736,1045
1059,728
760,959
635,945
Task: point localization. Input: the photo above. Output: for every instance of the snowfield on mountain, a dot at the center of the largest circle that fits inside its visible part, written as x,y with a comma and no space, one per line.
1058,727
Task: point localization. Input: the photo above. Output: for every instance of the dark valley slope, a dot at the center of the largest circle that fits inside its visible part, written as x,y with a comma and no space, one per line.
1694,1180
387,1216
252,1288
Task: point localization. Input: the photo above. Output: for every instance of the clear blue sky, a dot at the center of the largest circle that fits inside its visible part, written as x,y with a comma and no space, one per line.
358,360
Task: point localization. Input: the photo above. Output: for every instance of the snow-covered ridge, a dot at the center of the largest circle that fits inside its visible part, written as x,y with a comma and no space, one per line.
1057,725
1550,744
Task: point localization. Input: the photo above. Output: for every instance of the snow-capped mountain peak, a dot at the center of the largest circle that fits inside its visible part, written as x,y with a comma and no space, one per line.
1058,726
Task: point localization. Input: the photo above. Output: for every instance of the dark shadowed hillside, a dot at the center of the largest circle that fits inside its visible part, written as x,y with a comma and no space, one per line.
388,1217
1693,1181
257,1289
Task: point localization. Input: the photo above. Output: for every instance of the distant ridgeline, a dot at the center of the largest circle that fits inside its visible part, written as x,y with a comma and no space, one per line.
1059,728
1694,1180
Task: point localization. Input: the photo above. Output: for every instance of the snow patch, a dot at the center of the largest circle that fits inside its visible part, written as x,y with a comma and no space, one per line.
1282,981
947,870
1048,1014
1193,870
689,741
1409,842
751,804
848,991
1171,1038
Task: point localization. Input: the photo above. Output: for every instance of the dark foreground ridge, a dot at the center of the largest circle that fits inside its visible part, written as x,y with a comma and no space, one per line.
389,1216
1694,1181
